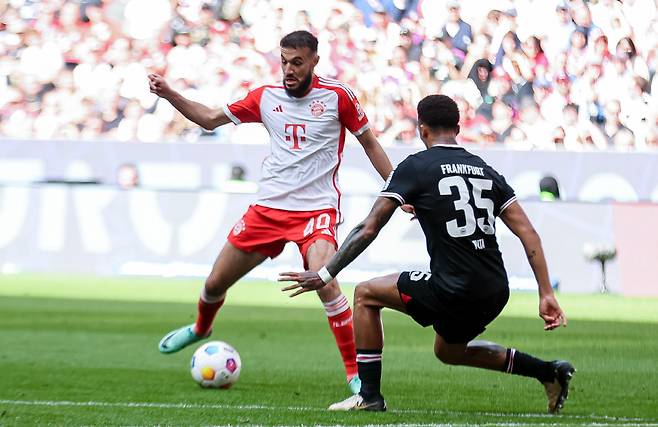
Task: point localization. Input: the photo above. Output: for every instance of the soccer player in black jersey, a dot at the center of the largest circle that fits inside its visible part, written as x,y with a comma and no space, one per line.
457,197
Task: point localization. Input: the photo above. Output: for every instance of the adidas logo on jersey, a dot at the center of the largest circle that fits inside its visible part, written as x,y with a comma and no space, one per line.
278,109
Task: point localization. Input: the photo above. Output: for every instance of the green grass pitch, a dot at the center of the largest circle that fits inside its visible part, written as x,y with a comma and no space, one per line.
82,351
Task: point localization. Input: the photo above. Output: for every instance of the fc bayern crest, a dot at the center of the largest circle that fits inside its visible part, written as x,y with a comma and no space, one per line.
239,227
317,108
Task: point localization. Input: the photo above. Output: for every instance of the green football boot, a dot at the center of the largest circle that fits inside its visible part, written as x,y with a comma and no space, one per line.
178,339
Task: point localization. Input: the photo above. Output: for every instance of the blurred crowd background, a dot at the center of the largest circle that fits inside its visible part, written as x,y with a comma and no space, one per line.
527,74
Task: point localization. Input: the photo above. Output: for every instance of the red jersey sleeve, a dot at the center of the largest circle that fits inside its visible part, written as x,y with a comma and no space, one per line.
246,110
350,113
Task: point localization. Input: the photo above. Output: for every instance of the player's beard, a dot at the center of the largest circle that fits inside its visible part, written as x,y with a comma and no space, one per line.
301,89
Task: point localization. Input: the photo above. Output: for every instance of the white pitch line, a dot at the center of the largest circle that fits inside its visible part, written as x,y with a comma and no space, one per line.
502,424
516,415
616,421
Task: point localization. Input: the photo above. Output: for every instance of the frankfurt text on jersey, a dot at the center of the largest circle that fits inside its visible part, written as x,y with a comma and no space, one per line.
460,168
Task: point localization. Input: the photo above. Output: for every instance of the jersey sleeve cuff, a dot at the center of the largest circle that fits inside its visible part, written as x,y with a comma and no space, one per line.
230,115
506,204
390,195
363,129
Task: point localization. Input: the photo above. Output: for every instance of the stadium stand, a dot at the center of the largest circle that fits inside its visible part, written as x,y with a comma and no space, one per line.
573,75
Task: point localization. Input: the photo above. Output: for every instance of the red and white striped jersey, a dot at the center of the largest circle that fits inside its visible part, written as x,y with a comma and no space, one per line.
307,136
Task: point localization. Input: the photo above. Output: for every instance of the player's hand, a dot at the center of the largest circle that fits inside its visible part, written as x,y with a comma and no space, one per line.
409,209
550,311
159,86
306,281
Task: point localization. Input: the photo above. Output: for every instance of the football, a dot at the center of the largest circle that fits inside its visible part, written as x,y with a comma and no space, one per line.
215,364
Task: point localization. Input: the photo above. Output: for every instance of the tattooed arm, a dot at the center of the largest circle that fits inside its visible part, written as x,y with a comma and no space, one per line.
355,243
516,220
362,235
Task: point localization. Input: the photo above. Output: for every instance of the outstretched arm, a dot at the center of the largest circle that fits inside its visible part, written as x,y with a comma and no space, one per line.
355,243
375,153
517,221
205,117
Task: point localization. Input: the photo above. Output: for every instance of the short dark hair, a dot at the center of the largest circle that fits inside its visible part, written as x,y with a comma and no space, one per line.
438,112
298,39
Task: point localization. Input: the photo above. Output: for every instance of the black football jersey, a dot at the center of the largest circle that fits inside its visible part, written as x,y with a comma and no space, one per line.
457,198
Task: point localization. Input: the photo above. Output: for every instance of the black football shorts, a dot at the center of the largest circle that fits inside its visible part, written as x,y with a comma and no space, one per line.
456,319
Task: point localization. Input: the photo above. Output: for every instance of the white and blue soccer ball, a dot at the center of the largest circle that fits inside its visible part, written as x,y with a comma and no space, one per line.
216,364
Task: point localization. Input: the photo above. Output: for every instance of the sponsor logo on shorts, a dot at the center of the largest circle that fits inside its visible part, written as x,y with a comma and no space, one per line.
239,227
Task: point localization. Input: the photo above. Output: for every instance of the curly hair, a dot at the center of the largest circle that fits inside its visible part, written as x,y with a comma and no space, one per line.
438,112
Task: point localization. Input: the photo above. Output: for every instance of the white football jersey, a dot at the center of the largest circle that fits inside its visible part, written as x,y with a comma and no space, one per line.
307,136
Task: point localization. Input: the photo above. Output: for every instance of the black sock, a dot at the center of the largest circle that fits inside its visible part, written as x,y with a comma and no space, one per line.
370,372
519,363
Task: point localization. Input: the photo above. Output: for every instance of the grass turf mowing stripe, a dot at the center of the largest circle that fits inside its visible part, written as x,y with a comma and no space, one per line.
268,293
183,405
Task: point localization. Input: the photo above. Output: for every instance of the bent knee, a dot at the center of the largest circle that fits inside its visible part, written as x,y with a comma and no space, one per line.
363,293
448,357
215,286
211,283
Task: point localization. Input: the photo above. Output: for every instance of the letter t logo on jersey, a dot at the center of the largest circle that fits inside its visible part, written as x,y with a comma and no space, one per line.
296,134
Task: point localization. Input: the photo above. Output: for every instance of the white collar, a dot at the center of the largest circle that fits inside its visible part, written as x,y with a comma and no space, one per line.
447,145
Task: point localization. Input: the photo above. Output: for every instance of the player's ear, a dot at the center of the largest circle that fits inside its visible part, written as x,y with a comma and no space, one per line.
458,129
316,59
423,131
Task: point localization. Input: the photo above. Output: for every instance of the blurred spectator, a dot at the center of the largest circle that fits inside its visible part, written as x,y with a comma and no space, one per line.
558,97
457,32
616,133
527,71
516,139
561,32
536,58
578,58
502,120
652,138
558,137
401,132
480,74
411,44
533,126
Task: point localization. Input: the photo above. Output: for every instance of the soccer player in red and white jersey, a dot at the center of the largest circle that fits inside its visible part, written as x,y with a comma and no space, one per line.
299,198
